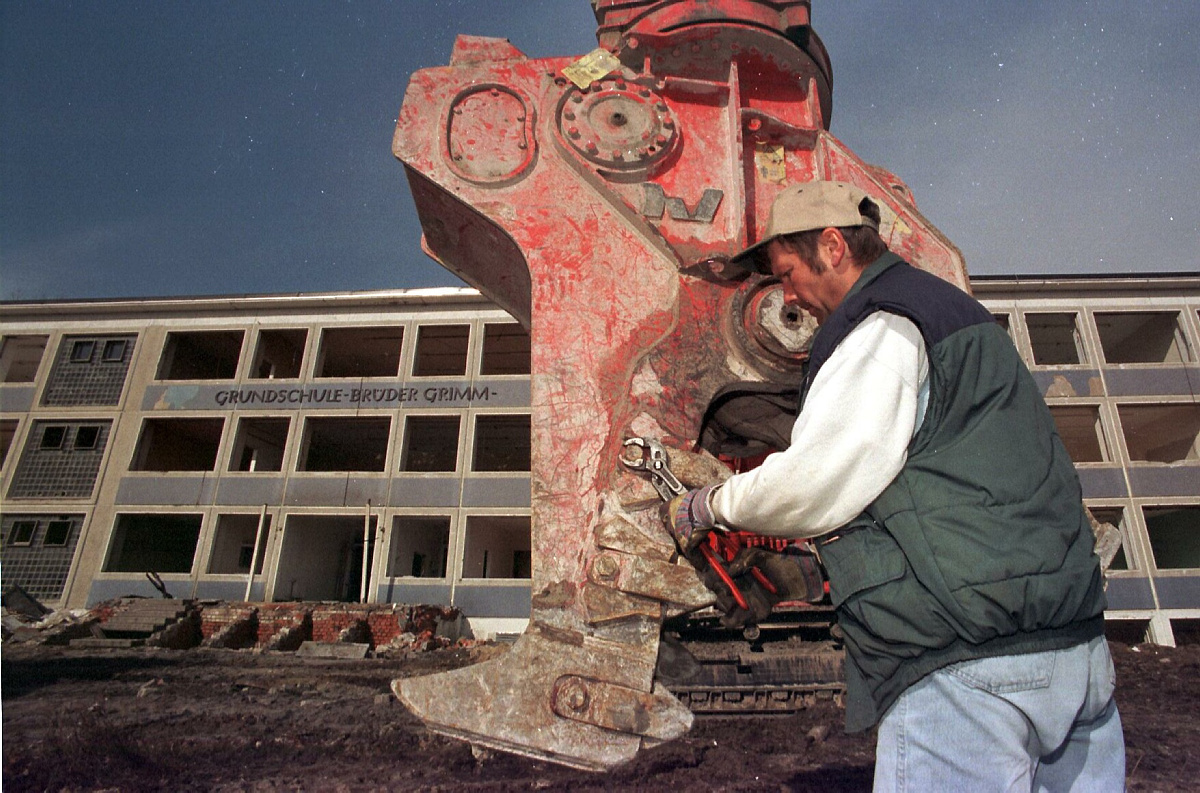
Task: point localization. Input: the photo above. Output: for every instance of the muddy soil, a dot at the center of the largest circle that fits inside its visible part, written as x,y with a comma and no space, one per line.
139,720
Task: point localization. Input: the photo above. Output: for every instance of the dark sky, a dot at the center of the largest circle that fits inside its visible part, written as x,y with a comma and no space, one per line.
172,148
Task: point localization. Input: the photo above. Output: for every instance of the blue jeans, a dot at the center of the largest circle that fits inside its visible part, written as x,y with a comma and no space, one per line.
1042,721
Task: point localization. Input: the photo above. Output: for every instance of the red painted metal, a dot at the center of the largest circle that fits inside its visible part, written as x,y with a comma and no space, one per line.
603,218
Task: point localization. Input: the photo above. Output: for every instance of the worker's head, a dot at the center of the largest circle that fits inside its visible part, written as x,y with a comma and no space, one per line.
818,238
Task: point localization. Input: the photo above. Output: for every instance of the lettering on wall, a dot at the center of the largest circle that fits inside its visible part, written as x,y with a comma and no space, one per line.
351,397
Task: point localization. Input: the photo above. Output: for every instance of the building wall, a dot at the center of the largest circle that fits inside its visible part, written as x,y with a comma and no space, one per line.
192,436
201,442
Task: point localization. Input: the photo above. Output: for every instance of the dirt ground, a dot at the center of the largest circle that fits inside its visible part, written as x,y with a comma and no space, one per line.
225,720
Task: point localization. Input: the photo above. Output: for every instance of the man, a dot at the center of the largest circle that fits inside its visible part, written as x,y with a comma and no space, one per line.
946,512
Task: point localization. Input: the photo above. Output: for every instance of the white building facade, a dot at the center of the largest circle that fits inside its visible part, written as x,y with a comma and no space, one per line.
375,447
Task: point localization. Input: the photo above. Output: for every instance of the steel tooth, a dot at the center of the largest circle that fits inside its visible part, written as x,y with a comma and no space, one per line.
506,703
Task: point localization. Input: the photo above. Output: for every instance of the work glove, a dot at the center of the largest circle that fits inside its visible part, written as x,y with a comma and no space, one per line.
795,573
689,519
758,600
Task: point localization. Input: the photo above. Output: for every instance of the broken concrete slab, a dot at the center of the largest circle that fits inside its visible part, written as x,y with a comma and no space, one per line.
350,650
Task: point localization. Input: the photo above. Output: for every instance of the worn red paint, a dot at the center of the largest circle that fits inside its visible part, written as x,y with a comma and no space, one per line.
615,259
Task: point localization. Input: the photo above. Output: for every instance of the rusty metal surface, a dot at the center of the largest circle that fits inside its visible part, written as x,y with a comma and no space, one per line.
603,218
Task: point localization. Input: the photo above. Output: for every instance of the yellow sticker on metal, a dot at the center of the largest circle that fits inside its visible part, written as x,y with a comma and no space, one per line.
591,67
769,161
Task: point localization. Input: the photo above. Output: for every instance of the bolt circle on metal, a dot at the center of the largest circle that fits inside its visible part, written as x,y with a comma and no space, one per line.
619,125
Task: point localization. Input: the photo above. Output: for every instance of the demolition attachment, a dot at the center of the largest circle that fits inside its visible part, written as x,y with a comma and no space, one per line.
599,200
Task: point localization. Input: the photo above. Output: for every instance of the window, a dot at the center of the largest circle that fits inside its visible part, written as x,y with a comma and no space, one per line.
178,445
1115,516
86,437
1142,337
114,351
1161,433
1081,432
442,350
259,444
1002,321
505,350
20,357
81,351
53,436
497,547
233,545
201,355
360,352
22,532
1174,536
57,533
155,543
1055,339
279,354
345,444
430,443
8,431
502,443
420,546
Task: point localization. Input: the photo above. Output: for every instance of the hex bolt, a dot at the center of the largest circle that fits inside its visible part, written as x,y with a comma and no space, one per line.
573,132
592,148
754,124
606,567
569,115
576,98
574,696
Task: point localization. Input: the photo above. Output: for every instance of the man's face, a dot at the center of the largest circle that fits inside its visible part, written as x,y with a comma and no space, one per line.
817,293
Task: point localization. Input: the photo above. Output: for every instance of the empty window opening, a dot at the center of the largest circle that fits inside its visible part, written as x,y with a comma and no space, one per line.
259,444
233,545
321,557
86,437
20,357
1055,339
153,543
1142,337
360,352
1186,632
279,354
22,532
201,355
53,436
502,443
442,350
1081,432
430,443
178,445
114,351
57,533
81,351
505,349
1161,433
345,444
1115,516
1002,321
420,546
8,431
1126,631
1174,536
497,547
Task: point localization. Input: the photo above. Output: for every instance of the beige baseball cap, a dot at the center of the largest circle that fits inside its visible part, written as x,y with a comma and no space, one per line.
807,206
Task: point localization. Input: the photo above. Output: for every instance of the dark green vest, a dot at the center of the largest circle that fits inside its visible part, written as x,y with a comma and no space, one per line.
980,546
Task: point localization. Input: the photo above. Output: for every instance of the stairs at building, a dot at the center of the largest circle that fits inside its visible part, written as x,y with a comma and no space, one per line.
136,621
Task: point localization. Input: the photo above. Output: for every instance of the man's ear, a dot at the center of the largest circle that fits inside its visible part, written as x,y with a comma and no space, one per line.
833,244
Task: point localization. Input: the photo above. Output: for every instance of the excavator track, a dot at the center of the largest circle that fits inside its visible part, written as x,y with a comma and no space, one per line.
784,665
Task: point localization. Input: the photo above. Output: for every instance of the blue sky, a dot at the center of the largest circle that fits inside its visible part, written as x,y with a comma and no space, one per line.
171,148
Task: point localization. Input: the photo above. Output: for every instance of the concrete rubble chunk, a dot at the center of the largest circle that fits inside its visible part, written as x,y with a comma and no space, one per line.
338,650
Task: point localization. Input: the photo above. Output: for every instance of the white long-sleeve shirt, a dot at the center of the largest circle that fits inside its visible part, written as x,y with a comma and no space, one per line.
849,442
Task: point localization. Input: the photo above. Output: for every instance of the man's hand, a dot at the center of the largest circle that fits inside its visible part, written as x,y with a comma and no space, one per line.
688,518
796,575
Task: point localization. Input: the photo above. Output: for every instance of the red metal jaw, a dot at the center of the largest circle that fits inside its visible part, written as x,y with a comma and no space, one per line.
603,217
